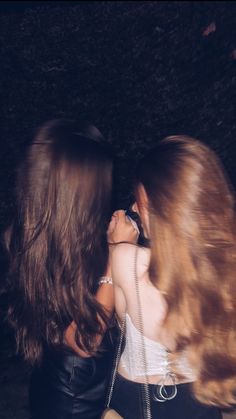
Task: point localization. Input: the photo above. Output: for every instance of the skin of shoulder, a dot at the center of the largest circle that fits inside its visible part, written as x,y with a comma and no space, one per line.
122,261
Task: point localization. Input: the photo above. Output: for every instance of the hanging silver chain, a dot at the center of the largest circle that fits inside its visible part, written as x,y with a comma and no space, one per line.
145,390
116,362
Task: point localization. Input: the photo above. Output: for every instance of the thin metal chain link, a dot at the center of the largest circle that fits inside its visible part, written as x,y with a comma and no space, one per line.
145,390
116,362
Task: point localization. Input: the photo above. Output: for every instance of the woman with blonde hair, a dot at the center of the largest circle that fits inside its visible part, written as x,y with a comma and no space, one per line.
178,298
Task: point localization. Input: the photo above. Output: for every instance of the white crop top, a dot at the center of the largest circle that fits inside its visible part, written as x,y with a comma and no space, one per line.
157,362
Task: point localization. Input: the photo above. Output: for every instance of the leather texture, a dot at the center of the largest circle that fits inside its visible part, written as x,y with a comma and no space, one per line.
67,386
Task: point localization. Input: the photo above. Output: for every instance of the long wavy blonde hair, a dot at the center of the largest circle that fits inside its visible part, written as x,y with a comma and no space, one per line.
193,258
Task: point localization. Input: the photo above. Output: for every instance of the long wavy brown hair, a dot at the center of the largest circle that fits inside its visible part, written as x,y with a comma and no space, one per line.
193,258
57,243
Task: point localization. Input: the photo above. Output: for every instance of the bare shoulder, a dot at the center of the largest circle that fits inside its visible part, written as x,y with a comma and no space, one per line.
123,250
123,257
126,251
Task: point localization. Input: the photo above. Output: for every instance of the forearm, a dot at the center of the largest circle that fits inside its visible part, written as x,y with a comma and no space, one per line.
105,296
105,292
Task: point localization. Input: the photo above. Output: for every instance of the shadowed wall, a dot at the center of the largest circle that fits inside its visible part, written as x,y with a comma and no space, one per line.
139,70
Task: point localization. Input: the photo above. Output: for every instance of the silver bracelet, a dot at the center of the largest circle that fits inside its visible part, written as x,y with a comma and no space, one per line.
105,280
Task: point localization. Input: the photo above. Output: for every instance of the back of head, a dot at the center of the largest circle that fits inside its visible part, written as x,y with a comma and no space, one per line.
58,241
192,232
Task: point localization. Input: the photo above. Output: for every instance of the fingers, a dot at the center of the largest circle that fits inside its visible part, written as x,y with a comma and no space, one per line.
119,215
134,224
122,228
112,225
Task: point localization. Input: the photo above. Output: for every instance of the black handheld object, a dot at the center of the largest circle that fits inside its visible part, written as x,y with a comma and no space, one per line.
133,216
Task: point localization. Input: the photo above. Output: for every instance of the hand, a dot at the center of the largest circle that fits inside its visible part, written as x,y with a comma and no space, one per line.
121,229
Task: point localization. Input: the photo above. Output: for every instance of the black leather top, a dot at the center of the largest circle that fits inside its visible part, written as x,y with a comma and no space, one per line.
67,386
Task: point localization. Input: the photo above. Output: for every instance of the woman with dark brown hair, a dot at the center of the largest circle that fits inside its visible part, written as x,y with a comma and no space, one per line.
58,254
179,360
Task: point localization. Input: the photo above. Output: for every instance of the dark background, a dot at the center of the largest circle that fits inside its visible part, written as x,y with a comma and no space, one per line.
138,70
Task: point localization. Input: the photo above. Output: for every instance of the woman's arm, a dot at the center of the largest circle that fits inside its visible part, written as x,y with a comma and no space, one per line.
105,296
120,230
